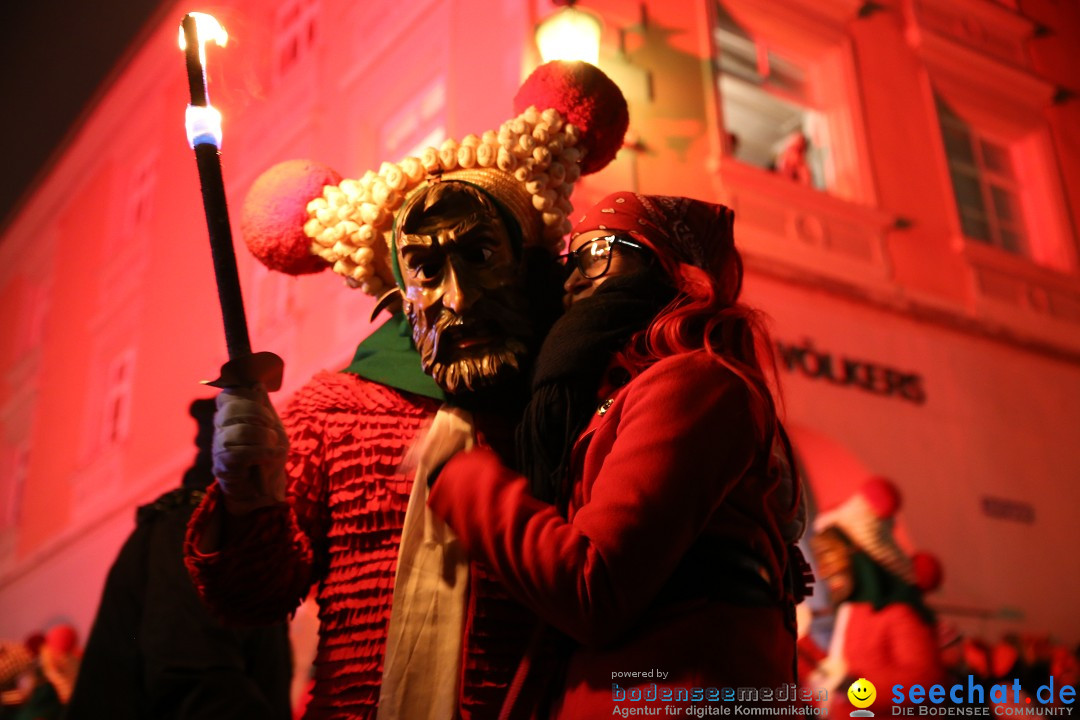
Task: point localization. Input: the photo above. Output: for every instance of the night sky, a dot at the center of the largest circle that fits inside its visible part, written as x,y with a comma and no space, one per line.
55,56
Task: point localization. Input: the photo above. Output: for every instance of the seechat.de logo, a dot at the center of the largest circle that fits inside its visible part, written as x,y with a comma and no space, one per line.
862,694
974,698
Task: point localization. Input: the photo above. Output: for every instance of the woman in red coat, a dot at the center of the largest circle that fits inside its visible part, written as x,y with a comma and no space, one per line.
654,521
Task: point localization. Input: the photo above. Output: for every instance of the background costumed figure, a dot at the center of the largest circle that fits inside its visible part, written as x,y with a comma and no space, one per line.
883,629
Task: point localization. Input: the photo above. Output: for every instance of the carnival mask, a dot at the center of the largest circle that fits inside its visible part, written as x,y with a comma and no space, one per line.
462,292
832,551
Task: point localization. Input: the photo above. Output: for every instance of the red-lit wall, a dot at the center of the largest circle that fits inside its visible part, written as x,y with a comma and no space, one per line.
106,283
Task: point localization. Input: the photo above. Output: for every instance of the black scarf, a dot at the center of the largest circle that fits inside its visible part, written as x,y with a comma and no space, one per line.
570,367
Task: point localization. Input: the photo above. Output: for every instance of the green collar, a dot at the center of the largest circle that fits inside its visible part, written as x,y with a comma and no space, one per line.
878,586
388,356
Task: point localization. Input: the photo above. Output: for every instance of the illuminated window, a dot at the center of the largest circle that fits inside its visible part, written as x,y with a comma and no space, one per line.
297,34
767,107
988,196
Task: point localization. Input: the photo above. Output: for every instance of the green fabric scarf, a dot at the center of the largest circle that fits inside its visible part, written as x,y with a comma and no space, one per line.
388,356
878,586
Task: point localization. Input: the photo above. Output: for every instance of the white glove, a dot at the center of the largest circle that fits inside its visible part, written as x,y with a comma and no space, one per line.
249,450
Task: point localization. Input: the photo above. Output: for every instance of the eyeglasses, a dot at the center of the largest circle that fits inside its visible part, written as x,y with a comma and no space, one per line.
593,259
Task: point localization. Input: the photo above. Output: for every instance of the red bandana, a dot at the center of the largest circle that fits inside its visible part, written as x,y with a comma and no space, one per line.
678,229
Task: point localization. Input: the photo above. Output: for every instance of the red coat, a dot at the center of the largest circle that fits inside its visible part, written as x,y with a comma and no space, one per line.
890,646
341,528
667,479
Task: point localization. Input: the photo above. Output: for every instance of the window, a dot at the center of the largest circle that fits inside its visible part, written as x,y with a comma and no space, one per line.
136,208
116,409
997,149
35,303
769,117
984,180
297,34
143,183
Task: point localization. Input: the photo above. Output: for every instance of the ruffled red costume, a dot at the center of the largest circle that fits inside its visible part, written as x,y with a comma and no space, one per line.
341,527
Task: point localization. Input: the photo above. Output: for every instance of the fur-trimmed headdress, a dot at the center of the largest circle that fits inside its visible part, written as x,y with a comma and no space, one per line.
301,217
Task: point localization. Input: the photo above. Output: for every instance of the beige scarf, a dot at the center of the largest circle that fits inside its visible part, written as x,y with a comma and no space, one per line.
422,668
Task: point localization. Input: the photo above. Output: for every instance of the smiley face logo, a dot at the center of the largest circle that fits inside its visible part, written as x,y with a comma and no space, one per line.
862,693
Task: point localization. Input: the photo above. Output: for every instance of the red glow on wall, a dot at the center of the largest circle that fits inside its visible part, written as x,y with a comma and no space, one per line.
869,251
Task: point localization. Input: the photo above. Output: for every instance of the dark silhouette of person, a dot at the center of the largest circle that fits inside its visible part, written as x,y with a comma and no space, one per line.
154,650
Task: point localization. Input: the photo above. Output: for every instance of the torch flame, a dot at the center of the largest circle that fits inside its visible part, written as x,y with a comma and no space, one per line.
207,28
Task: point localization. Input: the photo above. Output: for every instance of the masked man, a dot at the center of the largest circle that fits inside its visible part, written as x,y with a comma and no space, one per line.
409,628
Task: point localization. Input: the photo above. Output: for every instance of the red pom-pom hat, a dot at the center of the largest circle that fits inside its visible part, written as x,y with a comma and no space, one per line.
867,519
571,121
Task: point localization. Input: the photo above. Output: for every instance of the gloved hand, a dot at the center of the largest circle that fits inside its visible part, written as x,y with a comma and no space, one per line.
249,450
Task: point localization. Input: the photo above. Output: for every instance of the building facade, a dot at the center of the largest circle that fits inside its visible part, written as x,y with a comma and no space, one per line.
906,181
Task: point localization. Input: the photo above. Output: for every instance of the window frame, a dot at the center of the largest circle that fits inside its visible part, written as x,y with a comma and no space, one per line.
296,25
799,32
1004,104
987,179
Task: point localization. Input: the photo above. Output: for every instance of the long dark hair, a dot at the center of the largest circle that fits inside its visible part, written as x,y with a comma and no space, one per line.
707,315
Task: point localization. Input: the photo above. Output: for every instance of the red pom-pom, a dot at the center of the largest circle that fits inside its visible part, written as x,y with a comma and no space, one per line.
882,495
585,97
275,211
928,571
62,639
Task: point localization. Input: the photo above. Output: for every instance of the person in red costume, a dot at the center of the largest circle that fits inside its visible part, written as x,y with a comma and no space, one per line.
410,628
653,529
792,161
883,631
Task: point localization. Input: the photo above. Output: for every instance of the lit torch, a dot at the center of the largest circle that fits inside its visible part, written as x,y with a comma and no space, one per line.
203,123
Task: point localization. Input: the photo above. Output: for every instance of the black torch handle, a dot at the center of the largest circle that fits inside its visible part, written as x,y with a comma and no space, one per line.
217,211
221,246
